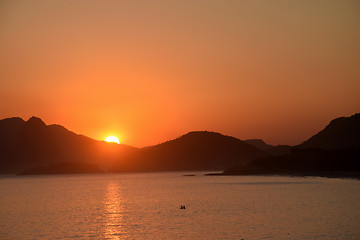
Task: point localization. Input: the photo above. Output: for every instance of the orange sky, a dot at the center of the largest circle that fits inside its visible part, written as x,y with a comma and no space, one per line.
150,71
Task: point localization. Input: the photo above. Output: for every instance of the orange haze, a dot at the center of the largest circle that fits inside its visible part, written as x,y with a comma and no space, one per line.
149,71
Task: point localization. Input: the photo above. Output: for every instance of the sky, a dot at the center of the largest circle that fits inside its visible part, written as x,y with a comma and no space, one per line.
151,71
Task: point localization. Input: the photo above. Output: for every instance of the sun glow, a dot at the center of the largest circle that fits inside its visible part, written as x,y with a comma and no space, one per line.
112,139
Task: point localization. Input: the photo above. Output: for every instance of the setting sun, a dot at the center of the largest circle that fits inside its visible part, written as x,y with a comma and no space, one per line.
112,139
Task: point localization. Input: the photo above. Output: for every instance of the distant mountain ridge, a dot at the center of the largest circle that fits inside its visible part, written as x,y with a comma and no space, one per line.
270,149
334,151
340,133
9,128
259,143
32,143
199,150
36,144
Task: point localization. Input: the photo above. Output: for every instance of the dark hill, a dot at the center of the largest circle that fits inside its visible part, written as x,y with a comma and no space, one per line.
77,147
9,129
35,144
314,162
259,143
334,151
279,150
193,151
272,150
31,144
341,133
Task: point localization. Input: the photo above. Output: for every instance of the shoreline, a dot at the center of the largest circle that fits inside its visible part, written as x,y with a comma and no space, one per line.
341,175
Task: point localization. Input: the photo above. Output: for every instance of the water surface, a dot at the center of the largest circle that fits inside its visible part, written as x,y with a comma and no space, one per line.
147,206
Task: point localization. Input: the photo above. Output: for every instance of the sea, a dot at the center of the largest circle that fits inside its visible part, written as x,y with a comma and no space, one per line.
148,206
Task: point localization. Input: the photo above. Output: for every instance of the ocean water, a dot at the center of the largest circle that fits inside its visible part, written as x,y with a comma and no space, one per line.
147,206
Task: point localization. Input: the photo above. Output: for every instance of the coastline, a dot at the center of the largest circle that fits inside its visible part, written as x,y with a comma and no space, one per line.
341,175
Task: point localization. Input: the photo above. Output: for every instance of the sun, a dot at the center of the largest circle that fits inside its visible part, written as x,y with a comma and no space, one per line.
112,139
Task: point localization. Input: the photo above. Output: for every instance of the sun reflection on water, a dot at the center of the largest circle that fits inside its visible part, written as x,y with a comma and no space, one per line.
113,211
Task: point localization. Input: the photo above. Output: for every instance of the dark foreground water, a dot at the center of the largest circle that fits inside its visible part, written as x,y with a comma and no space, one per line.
147,206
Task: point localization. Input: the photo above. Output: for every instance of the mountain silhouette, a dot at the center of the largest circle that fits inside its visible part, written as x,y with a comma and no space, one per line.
259,143
200,150
343,132
312,161
9,128
334,151
77,147
35,144
279,150
270,149
32,144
